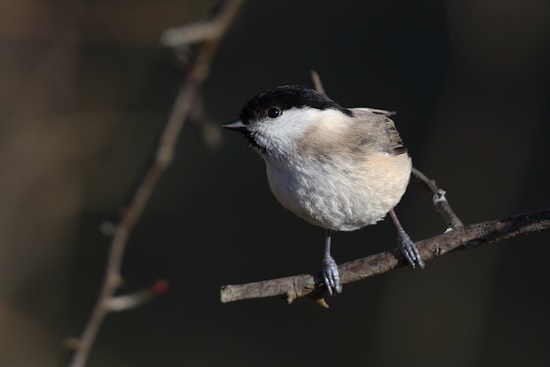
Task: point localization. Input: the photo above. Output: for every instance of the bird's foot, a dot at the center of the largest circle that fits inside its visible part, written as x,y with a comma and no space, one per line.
409,250
331,276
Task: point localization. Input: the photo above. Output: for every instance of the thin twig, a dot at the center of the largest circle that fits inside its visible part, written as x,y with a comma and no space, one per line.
203,31
440,202
460,238
188,93
317,84
129,301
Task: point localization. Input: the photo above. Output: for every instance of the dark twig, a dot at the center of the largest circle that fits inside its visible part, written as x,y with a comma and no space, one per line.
460,238
317,84
440,202
129,301
198,72
213,29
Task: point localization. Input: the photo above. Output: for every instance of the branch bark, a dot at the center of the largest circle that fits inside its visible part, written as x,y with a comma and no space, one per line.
460,238
439,200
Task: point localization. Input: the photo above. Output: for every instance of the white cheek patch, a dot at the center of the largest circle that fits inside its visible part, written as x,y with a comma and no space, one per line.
290,125
284,133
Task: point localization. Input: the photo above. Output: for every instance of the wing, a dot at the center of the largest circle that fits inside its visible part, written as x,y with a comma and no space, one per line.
378,131
376,111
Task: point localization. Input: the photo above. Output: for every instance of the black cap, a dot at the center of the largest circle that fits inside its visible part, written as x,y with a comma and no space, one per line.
286,97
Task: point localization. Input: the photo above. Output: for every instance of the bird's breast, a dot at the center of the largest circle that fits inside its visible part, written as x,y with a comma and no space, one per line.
338,194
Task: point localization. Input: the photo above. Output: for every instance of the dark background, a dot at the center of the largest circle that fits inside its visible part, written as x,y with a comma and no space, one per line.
85,90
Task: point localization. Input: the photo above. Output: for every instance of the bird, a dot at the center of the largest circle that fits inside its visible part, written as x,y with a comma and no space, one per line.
335,167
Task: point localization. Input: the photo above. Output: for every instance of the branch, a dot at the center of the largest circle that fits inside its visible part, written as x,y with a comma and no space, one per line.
198,72
129,301
317,83
213,29
440,202
461,238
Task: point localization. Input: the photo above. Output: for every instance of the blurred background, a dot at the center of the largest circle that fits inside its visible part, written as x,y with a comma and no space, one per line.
85,90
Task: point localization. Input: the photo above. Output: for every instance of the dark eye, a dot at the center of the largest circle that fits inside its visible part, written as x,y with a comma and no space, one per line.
274,112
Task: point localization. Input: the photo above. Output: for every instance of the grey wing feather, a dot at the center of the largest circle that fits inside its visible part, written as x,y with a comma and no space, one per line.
396,144
379,131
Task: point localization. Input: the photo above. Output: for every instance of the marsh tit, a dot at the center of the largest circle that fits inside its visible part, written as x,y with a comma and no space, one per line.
338,168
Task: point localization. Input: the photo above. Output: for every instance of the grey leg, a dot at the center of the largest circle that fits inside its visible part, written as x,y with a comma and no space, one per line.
330,269
406,245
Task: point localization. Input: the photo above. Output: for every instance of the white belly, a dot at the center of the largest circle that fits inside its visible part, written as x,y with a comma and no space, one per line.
329,195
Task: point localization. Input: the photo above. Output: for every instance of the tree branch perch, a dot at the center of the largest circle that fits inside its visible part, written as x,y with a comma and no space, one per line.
460,238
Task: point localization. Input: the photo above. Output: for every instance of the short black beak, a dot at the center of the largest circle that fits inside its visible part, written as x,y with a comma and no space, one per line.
236,125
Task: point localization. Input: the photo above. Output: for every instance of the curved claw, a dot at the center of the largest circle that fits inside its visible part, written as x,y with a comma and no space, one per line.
331,276
409,250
